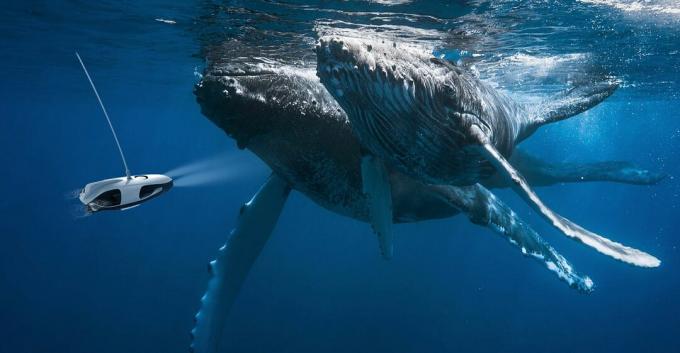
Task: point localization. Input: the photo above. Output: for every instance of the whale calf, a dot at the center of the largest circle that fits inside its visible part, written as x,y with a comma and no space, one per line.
437,123
286,117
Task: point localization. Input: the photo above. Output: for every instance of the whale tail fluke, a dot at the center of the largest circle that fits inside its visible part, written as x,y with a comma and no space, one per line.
569,103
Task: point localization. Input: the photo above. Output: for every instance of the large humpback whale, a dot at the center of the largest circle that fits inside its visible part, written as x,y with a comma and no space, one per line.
435,122
289,120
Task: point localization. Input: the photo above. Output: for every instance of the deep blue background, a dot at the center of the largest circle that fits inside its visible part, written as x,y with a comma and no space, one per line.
131,281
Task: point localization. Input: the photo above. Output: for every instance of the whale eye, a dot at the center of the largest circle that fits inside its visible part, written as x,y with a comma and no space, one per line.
451,99
449,91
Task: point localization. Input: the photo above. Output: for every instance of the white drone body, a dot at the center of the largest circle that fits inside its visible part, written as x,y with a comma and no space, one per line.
124,192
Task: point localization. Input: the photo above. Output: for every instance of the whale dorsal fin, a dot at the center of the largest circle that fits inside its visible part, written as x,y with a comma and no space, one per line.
376,187
570,229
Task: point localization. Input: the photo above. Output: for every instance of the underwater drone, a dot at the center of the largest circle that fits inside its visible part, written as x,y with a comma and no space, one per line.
124,192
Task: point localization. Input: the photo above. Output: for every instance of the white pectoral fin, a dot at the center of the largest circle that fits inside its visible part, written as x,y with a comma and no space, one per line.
569,228
376,186
234,260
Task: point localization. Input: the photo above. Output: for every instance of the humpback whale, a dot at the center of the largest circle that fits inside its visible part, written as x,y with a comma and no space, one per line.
437,123
286,117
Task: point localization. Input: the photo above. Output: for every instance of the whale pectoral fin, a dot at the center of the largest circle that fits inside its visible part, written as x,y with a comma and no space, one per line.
485,209
570,229
376,187
234,260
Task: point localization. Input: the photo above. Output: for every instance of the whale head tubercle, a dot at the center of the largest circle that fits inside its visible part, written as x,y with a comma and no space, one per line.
356,69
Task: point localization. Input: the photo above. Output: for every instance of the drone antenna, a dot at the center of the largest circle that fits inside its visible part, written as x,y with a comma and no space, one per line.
122,156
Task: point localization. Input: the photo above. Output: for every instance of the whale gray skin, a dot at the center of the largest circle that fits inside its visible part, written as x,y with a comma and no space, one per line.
288,119
433,121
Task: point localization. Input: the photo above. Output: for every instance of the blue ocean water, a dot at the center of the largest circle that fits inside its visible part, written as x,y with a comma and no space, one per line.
131,281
